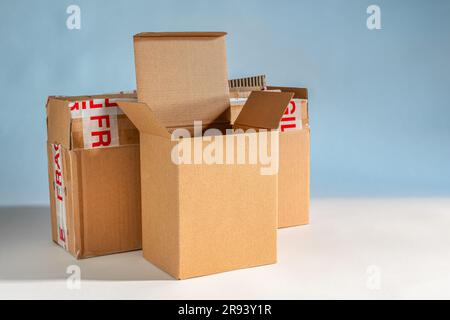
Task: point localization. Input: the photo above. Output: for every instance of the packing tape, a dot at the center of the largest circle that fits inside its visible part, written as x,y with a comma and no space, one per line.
292,117
60,197
99,117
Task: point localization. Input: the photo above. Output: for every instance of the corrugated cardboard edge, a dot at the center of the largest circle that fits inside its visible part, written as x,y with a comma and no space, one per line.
188,34
253,83
76,203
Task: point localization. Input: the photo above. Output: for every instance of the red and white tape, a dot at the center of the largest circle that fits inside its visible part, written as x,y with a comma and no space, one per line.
99,117
60,197
292,117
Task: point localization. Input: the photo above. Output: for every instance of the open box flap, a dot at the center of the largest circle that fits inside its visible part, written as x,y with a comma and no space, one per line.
132,95
58,122
263,110
299,93
179,34
183,76
143,118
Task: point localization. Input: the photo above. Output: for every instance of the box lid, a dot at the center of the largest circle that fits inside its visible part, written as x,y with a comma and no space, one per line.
182,76
180,34
299,93
263,110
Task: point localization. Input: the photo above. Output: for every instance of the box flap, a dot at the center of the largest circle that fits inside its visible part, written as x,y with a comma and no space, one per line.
118,95
179,34
183,76
58,122
299,93
263,110
143,118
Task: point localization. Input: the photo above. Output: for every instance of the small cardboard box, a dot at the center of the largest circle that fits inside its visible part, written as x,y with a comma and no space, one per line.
294,172
94,177
200,217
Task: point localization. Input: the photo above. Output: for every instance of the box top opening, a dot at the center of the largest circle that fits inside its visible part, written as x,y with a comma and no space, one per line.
263,110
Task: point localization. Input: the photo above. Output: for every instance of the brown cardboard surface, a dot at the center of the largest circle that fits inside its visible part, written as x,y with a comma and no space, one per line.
111,206
102,186
161,235
181,88
227,218
263,110
206,218
58,122
103,204
294,171
293,178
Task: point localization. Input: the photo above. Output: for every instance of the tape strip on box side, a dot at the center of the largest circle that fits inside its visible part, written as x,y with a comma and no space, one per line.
59,195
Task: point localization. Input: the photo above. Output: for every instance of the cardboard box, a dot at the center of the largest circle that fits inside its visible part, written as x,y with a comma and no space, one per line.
94,177
199,217
294,173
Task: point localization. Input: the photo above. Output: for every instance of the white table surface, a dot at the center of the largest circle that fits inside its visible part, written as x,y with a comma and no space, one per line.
354,248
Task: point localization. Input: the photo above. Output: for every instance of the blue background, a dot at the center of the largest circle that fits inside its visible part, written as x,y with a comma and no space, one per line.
379,100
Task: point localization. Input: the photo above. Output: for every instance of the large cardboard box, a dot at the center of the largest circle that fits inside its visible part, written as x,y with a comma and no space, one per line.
94,177
294,172
201,215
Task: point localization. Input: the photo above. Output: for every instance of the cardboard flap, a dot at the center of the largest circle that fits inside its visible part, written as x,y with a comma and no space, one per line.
263,110
58,122
183,76
299,93
143,118
179,34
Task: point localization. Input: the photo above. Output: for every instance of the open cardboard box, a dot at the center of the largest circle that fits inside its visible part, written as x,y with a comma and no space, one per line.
294,172
94,177
200,216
